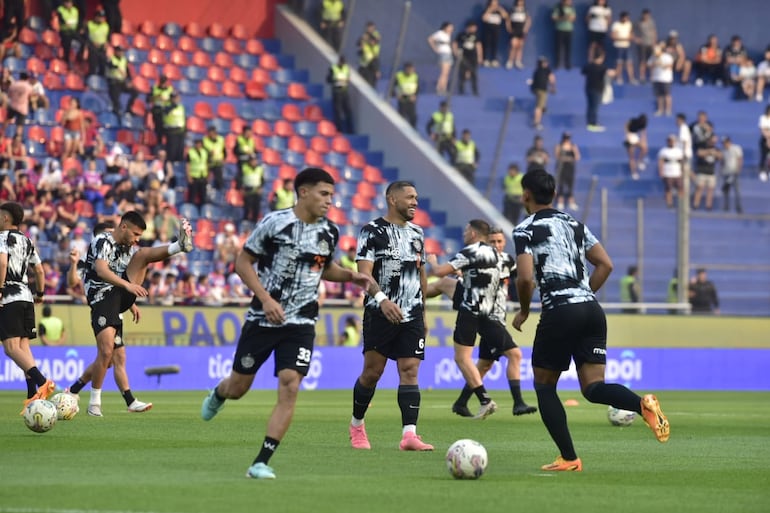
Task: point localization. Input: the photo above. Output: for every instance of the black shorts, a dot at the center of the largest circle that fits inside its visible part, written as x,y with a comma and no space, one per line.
495,340
18,116
644,52
577,331
597,37
17,319
517,30
661,88
394,341
468,326
292,345
108,313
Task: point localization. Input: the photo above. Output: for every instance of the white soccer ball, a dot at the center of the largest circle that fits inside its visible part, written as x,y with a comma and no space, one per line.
466,459
66,405
40,415
618,417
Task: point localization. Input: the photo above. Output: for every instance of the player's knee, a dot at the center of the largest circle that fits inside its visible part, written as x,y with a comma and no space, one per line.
589,391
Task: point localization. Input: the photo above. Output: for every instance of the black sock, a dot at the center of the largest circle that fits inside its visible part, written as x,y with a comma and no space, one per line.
465,395
31,387
555,419
77,386
269,446
35,375
482,394
409,403
128,397
515,386
613,394
217,396
362,396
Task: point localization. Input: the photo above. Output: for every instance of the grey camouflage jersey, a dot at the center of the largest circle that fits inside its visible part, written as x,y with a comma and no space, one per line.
117,256
481,277
21,254
292,256
506,265
558,245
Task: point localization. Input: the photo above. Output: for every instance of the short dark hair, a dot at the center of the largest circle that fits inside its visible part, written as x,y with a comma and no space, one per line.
311,176
632,269
46,311
541,184
135,218
100,227
15,210
480,226
397,186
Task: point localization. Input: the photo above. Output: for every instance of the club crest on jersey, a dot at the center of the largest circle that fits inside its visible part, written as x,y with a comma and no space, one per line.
323,247
101,321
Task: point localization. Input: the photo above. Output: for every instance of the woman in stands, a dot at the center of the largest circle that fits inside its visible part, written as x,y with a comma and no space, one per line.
74,129
492,20
567,154
441,43
519,23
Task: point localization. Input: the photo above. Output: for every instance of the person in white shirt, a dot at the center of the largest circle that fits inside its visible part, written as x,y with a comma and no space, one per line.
670,159
763,75
622,34
441,43
598,19
661,66
745,77
764,143
732,164
685,141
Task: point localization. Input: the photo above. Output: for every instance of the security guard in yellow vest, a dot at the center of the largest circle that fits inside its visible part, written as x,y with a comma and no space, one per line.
339,78
98,31
369,54
407,86
174,126
441,129
629,289
466,156
159,98
197,173
332,22
69,20
283,197
119,80
244,148
253,178
214,144
512,194
351,336
51,329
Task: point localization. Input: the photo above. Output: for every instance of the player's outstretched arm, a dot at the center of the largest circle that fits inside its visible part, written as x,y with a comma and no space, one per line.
104,272
335,272
602,266
72,274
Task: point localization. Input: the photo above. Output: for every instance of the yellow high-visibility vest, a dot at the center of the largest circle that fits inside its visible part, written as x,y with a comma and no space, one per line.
284,199
69,18
252,176
443,123
407,84
98,32
199,167
332,10
119,69
215,148
340,75
466,152
175,118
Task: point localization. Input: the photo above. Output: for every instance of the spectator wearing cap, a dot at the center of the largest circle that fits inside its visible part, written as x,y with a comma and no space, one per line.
119,81
97,32
214,144
682,64
197,173
159,98
174,126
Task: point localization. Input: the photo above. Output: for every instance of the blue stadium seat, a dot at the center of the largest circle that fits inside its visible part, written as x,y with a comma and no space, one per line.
248,112
96,83
271,110
36,23
13,64
36,149
306,128
93,102
283,76
356,216
185,87
194,72
44,117
294,158
247,61
200,268
189,211
336,159
222,125
135,56
108,119
276,143
340,201
212,212
276,90
352,174
344,189
27,51
173,30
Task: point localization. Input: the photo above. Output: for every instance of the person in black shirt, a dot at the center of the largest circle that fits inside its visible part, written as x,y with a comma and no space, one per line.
595,72
703,294
543,82
468,48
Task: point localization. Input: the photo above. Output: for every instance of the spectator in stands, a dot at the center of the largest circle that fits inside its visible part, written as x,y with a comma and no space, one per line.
6,79
441,130
44,214
37,98
519,23
670,159
636,144
197,173
69,28
78,243
744,78
97,32
174,128
125,196
93,144
51,278
214,144
5,154
24,190
563,16
682,64
348,259
513,191
227,247
629,289
66,211
466,156
622,35
51,328
119,81
107,209
598,19
708,63
661,66
543,82
351,335
73,121
339,78
763,76
18,153
702,130
467,48
92,183
733,55
283,197
493,19
596,74
243,149
407,87
684,141
441,44
253,182
707,157
567,154
703,294
159,98
139,171
645,37
537,155
7,192
167,223
764,144
369,54
332,22
732,165
14,17
19,92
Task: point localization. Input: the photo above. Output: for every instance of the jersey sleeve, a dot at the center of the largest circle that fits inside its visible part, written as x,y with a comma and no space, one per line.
103,249
255,244
589,240
365,245
460,261
34,257
4,242
521,241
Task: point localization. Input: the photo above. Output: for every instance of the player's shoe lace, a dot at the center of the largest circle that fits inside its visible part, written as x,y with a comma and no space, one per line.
211,406
562,465
655,418
260,471
486,410
358,438
139,407
413,442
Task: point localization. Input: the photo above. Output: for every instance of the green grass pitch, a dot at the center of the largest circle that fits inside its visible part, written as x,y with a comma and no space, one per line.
169,461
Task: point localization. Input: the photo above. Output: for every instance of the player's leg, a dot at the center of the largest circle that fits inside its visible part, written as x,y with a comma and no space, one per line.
409,353
363,392
121,380
513,373
105,345
464,338
137,266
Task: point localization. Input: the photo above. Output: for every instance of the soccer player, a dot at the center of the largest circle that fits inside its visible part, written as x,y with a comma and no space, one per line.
491,348
479,263
552,247
114,272
17,309
391,249
293,250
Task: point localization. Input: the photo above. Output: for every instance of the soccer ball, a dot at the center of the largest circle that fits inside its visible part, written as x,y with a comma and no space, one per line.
466,459
618,417
66,406
40,415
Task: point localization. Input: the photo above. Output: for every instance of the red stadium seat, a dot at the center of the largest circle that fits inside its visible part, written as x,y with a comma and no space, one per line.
422,218
268,62
203,110
142,42
313,113
196,125
141,84
261,76
148,71
128,27
319,144
346,242
340,144
433,247
125,136
232,46
172,72
74,81
52,81
297,91
165,43
51,38
283,128
287,172
27,36
332,171
139,108
217,30
272,157
58,66
366,189
373,175
201,58
291,112
226,110
254,47
179,58
261,128
44,52
149,28
118,40
35,65
223,60
313,159
37,134
361,203
156,56
231,89
187,44
337,216
236,126
194,29
239,31
297,143
215,73
208,88
84,208
326,128
255,90
238,75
